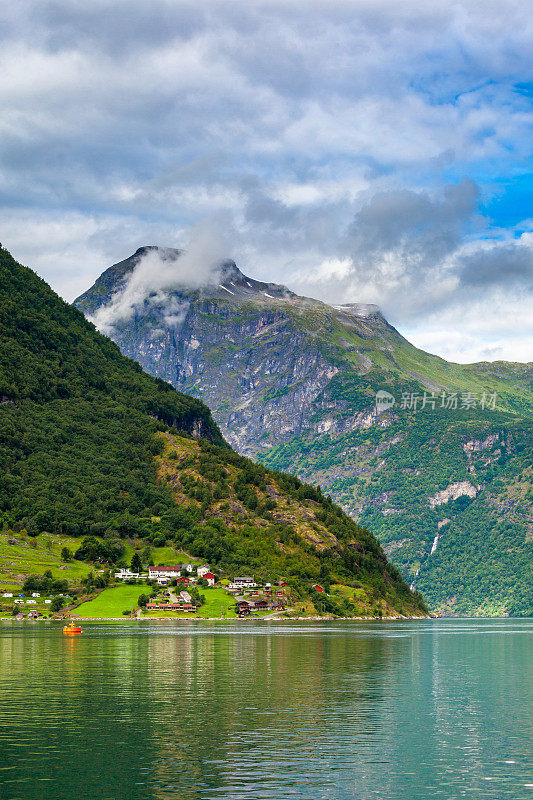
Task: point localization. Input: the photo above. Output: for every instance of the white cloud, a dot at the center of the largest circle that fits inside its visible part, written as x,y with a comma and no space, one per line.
158,272
492,329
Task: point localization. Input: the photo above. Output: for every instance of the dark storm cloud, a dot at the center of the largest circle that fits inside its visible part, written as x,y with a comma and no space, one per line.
414,227
409,252
509,264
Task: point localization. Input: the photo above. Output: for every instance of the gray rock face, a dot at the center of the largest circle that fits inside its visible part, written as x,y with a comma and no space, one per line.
251,350
272,366
452,492
256,371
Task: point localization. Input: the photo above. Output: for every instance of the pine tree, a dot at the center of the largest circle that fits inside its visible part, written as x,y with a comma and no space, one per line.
136,565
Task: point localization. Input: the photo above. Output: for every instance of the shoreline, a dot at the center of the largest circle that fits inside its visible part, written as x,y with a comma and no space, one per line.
229,619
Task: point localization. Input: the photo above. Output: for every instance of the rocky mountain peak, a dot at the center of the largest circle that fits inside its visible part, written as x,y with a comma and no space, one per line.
292,381
225,281
235,283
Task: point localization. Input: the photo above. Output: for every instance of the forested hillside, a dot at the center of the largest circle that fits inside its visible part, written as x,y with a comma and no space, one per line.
92,446
77,418
449,494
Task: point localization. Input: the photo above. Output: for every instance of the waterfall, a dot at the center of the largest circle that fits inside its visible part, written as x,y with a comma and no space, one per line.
435,543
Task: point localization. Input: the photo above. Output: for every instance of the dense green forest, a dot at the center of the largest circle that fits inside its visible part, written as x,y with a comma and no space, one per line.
91,446
77,418
482,560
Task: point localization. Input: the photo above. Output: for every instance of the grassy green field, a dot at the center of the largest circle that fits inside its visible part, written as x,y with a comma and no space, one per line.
35,556
218,604
112,602
169,557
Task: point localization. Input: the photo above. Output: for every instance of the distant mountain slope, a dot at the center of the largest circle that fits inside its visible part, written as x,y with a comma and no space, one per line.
292,381
89,444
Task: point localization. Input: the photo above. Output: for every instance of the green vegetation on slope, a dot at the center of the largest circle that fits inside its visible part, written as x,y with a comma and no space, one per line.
386,477
241,516
91,446
21,556
77,419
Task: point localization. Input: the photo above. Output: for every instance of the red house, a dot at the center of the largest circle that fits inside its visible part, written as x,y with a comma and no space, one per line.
318,588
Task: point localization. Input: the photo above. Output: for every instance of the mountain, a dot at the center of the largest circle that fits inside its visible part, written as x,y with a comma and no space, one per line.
442,476
92,446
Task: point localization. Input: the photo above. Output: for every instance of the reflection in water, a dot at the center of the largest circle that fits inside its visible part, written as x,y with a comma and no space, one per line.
173,711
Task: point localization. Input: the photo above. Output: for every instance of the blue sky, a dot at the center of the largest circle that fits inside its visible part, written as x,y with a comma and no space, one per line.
356,151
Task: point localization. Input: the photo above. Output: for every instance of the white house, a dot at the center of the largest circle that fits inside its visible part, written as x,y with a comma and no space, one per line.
164,572
7,594
35,594
243,583
31,602
201,571
186,596
189,567
47,602
125,574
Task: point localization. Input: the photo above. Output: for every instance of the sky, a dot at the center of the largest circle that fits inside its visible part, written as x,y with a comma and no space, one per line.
355,151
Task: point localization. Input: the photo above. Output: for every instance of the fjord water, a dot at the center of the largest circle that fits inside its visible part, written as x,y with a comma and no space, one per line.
406,710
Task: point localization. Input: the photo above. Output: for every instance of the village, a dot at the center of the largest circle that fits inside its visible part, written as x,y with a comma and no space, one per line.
179,590
249,596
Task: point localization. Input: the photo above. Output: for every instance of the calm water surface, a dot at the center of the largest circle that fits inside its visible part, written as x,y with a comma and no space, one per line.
391,711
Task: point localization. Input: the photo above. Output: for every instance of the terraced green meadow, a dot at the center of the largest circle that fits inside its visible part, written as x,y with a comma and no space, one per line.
34,555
